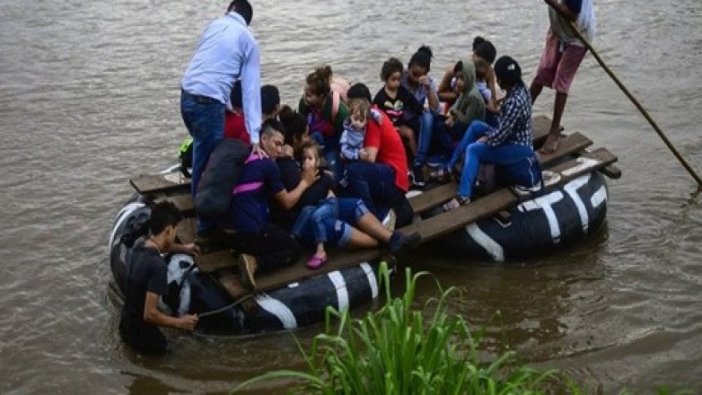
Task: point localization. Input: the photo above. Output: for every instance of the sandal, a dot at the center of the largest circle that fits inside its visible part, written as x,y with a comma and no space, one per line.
316,262
247,268
455,203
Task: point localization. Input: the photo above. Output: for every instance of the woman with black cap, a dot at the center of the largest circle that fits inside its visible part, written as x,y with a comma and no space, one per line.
509,146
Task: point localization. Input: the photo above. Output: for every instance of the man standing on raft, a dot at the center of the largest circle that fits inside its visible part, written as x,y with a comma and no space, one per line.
561,58
227,52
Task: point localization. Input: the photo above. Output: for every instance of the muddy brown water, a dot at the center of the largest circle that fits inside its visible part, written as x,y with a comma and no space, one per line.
89,97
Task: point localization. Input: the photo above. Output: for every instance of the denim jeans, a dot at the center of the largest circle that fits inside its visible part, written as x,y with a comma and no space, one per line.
426,128
506,155
445,136
313,223
475,131
204,118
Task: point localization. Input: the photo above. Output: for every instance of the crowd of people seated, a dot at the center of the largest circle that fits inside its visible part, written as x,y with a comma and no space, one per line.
336,170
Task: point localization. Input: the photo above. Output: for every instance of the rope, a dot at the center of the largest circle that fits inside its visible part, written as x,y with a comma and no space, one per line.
681,159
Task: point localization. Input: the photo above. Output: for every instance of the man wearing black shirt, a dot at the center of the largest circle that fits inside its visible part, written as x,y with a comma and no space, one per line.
147,281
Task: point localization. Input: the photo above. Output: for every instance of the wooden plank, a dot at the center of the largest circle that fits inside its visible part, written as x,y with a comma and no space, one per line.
217,260
612,172
540,126
160,184
568,145
450,221
231,283
186,230
184,204
567,171
337,260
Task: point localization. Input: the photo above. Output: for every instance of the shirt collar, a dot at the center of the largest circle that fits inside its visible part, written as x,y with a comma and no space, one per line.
237,17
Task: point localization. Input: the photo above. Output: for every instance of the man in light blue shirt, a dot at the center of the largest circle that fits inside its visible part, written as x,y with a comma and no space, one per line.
227,52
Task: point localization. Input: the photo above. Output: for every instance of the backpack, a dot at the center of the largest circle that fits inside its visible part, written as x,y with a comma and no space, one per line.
214,192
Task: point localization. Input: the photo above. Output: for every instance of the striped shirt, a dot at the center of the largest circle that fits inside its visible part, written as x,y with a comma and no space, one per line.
515,119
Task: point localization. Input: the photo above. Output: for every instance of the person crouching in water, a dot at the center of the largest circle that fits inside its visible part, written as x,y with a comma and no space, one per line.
509,146
147,282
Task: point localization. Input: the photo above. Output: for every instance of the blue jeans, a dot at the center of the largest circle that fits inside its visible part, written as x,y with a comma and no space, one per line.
318,224
426,129
204,118
507,155
475,131
445,136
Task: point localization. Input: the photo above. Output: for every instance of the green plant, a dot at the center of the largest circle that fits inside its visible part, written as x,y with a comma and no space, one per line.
395,350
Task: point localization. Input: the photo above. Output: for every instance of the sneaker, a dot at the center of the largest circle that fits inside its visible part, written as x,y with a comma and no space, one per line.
399,242
247,268
417,176
390,220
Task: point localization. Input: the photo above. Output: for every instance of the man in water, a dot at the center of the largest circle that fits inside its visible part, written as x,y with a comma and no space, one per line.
561,58
227,52
147,281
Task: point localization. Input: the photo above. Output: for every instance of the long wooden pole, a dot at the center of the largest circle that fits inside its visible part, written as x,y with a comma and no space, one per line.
554,5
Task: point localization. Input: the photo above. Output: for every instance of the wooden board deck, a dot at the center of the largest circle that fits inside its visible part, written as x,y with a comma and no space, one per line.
184,203
569,145
159,184
186,230
216,260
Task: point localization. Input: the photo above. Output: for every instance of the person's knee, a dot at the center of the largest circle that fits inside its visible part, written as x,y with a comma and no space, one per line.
476,149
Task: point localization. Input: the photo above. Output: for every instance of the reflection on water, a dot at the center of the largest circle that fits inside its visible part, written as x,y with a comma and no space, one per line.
90,98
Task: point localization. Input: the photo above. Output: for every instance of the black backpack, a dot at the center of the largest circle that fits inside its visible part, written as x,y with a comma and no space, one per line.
214,193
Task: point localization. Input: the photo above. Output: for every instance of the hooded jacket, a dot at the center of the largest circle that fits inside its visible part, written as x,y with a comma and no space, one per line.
470,105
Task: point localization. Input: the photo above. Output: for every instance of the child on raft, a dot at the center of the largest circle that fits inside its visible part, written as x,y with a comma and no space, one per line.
397,102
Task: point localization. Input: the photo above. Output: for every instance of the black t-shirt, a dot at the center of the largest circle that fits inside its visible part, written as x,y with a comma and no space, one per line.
290,175
395,108
146,273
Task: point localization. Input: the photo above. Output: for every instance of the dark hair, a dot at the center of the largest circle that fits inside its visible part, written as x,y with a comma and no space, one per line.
507,70
271,125
390,66
236,97
421,58
425,49
319,81
270,99
294,125
485,50
243,8
458,67
359,91
163,214
477,40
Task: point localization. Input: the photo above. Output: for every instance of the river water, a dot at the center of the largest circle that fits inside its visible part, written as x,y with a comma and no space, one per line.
89,96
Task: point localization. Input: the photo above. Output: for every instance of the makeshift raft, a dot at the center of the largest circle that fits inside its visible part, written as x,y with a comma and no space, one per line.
501,225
